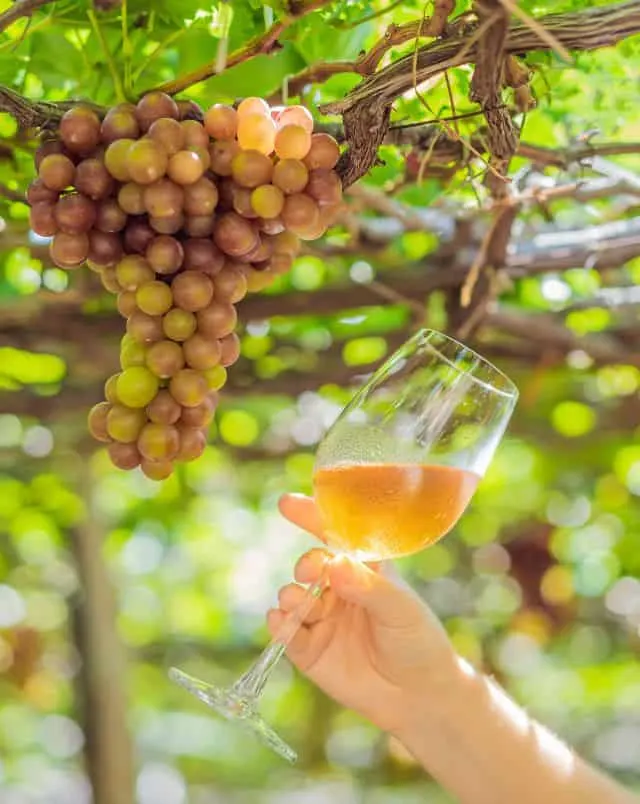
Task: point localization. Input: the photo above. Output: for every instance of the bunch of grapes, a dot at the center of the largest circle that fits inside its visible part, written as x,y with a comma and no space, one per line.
180,213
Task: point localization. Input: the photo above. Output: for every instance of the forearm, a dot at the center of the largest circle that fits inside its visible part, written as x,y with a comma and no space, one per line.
483,748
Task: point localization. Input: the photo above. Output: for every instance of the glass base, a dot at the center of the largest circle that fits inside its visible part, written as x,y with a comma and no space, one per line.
235,707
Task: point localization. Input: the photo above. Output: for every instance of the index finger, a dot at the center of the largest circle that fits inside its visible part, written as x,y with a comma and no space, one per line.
303,512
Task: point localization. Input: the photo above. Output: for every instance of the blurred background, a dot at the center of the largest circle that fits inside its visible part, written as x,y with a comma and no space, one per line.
107,578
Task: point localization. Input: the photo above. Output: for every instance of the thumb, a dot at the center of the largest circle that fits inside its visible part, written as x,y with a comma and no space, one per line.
356,583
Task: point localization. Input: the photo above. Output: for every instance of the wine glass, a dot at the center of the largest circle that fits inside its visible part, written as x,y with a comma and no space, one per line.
392,476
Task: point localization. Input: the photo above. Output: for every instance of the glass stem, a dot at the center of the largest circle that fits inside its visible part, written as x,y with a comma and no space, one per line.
251,684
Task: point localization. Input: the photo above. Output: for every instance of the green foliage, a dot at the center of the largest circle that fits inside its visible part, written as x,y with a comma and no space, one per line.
540,582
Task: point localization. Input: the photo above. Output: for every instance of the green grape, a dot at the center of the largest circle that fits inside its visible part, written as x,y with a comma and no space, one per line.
133,271
132,353
251,169
290,175
154,298
110,390
267,201
137,386
116,159
215,377
125,423
146,162
178,325
186,167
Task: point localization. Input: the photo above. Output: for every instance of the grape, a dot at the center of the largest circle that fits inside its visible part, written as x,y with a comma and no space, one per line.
234,235
292,142
79,129
297,116
165,358
215,377
251,168
97,421
163,199
137,386
271,226
110,217
260,253
188,387
280,264
242,202
125,423
323,153
299,212
57,172
201,352
146,161
256,132
109,280
201,197
229,349
152,107
230,284
324,186
179,324
253,106
131,198
290,175
75,213
168,224
165,254
69,250
203,155
222,153
105,248
189,110
137,236
154,298
217,320
120,123
115,158
156,470
124,456
93,179
199,225
126,303
43,219
163,409
110,392
259,277
286,243
193,443
202,414
39,193
168,133
192,291
158,442
132,353
194,134
48,147
226,189
267,201
200,254
185,167
221,122
133,271
144,328
313,231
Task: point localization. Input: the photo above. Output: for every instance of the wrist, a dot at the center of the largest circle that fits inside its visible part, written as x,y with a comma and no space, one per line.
439,704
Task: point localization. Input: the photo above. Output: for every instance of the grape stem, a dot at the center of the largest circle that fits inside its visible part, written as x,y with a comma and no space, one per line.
115,75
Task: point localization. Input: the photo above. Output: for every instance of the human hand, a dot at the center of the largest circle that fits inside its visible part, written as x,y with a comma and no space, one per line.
369,641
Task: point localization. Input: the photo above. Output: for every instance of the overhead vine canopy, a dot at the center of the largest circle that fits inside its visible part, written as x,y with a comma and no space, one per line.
491,167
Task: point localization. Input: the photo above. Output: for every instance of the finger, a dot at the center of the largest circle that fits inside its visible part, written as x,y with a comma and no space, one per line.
292,596
311,565
303,512
298,647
